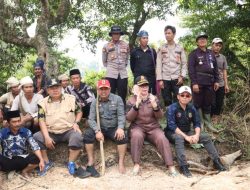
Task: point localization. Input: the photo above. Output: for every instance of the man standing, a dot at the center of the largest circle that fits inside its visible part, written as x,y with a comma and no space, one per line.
217,45
59,117
7,99
115,56
82,92
15,142
180,116
26,103
40,80
171,66
203,72
143,61
112,123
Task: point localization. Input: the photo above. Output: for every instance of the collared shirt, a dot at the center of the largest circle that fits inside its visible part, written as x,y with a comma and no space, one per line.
17,145
41,111
171,62
84,95
21,103
222,65
115,58
177,117
111,113
143,62
202,67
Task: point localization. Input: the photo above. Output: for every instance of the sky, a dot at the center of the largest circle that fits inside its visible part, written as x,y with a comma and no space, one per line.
86,59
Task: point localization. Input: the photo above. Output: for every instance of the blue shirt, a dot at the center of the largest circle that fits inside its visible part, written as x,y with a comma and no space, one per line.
177,117
17,145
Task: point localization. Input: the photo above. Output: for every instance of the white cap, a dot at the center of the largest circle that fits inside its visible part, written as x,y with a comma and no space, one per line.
12,81
26,80
63,77
185,89
217,40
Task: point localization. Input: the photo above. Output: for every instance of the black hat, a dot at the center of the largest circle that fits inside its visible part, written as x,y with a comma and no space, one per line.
201,35
116,29
53,82
74,72
12,114
141,80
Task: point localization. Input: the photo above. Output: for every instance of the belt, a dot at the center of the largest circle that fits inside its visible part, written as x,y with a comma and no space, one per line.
205,74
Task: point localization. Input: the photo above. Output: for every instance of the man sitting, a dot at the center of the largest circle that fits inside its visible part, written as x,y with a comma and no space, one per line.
59,117
15,141
180,116
112,123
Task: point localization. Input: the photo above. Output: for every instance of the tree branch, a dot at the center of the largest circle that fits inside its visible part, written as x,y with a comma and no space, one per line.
24,22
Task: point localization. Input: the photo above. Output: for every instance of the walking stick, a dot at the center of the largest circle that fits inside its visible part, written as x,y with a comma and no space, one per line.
101,142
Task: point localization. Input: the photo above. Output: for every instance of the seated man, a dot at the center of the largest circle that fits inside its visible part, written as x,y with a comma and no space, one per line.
180,116
26,103
7,99
59,116
112,123
64,81
82,92
143,111
15,142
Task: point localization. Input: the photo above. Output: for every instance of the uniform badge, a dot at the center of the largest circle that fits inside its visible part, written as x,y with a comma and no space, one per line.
190,115
178,114
200,60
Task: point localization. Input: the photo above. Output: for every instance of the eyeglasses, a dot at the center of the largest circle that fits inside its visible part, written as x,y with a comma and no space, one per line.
185,95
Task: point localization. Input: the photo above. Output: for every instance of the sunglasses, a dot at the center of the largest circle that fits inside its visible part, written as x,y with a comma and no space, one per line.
185,95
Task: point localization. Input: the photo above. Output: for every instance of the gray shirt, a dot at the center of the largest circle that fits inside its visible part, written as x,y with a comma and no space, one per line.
222,65
111,113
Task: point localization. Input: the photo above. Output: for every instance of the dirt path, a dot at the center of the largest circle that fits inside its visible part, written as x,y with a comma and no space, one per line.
238,178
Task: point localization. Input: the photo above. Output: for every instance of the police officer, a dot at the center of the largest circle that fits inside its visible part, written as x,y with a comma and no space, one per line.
171,66
203,72
115,56
143,61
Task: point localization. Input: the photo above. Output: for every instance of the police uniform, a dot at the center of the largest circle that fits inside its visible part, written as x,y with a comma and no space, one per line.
115,59
171,64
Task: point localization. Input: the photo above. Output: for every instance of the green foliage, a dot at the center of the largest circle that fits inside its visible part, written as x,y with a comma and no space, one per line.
91,77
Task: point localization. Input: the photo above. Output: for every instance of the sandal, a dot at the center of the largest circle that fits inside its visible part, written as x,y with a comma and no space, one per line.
81,173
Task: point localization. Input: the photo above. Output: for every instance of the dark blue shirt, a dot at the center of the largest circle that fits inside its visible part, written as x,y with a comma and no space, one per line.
17,145
177,117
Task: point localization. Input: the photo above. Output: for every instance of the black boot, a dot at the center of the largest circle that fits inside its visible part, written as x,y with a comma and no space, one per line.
218,165
185,171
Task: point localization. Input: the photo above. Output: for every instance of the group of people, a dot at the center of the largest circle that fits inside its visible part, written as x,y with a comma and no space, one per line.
52,109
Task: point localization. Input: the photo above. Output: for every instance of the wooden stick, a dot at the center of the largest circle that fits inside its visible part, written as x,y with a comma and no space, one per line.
197,165
101,142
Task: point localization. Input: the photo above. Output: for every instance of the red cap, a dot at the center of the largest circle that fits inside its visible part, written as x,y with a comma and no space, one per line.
103,83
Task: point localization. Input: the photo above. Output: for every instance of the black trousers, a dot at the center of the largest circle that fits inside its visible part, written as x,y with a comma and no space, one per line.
17,163
119,85
85,111
218,101
170,91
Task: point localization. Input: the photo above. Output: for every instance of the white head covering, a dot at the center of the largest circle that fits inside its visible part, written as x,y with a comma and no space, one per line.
63,77
25,80
12,81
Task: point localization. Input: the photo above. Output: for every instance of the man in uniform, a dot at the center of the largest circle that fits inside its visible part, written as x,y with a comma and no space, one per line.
7,99
82,92
40,80
171,67
180,116
217,45
115,56
112,123
203,72
59,117
143,61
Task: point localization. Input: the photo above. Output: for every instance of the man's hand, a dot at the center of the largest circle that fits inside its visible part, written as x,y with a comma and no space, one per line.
196,88
119,134
50,143
226,89
99,136
41,165
161,84
138,100
180,80
76,128
153,101
5,123
188,139
195,139
26,118
216,86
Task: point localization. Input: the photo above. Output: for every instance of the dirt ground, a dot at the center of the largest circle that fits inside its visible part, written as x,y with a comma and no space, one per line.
153,175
